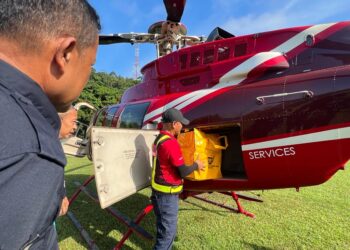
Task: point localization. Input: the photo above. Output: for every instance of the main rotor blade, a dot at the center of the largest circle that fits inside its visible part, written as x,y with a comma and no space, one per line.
114,38
175,9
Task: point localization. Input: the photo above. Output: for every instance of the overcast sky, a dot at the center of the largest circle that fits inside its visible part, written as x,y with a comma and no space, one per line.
201,17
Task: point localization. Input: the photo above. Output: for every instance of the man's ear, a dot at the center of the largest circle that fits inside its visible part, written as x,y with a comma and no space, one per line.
64,52
173,124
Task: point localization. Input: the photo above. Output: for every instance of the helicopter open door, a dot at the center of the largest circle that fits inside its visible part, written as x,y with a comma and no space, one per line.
122,162
77,144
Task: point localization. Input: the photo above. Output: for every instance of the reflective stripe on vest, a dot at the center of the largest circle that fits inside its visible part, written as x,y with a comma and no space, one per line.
155,185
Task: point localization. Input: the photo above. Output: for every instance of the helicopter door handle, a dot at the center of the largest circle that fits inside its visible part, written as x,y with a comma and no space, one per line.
284,96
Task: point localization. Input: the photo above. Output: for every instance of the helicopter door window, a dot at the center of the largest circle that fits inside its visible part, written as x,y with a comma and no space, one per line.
240,49
133,115
208,56
183,61
109,117
223,53
195,59
100,117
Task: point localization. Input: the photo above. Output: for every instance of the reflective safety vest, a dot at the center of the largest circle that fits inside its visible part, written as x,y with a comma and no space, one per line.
156,186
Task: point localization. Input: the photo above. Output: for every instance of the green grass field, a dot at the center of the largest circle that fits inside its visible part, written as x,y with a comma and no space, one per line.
314,218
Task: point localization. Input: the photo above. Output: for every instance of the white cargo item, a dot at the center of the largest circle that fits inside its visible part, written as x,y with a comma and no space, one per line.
122,162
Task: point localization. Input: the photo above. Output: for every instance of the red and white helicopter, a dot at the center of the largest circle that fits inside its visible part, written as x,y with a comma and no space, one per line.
281,98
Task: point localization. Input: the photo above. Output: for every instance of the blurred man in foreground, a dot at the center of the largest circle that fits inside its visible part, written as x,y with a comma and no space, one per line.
47,48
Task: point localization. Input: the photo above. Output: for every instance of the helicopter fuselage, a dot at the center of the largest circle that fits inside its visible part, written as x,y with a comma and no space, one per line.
281,98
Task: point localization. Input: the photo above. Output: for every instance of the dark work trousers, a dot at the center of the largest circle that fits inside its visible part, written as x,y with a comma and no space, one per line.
166,207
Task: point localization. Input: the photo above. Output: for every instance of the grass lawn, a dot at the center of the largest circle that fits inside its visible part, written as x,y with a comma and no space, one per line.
314,218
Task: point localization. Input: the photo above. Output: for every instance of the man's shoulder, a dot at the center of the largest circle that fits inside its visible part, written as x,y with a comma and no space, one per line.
24,129
17,134
170,143
12,115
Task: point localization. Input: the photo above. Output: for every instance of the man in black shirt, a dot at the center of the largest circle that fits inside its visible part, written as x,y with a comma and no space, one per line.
47,48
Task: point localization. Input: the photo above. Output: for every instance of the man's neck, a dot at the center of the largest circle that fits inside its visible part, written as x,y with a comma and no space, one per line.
27,63
172,132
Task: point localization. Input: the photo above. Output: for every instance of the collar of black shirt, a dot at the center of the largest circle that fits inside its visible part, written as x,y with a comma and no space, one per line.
16,81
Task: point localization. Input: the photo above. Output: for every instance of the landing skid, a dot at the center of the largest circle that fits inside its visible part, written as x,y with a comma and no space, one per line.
235,196
132,225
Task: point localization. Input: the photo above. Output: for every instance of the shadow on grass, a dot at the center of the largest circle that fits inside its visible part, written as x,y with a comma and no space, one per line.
104,229
256,247
221,212
79,167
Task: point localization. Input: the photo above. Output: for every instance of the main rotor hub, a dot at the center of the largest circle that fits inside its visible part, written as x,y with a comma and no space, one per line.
168,34
164,27
164,34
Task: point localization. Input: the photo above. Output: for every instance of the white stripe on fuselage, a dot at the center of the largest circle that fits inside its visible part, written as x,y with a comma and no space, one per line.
168,105
329,135
239,73
298,39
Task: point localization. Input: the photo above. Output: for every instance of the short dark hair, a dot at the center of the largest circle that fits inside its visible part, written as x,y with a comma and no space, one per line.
30,22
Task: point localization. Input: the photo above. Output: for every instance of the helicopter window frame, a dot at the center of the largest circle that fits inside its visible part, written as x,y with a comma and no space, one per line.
195,59
224,52
209,55
136,117
183,60
100,118
108,121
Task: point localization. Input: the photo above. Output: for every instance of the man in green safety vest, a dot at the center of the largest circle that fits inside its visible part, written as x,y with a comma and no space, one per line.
167,177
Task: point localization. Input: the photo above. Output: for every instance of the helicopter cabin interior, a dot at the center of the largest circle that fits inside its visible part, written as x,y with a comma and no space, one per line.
232,164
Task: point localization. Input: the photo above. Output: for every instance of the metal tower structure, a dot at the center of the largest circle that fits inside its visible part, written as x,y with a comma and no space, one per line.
137,61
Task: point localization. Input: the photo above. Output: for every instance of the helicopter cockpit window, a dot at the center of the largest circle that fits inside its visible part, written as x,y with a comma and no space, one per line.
208,56
195,59
240,49
223,53
109,117
183,61
133,115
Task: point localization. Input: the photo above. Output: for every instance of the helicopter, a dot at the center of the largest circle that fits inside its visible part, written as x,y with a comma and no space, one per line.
280,97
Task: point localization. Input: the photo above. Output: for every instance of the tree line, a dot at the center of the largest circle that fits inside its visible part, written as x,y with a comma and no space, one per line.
103,89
